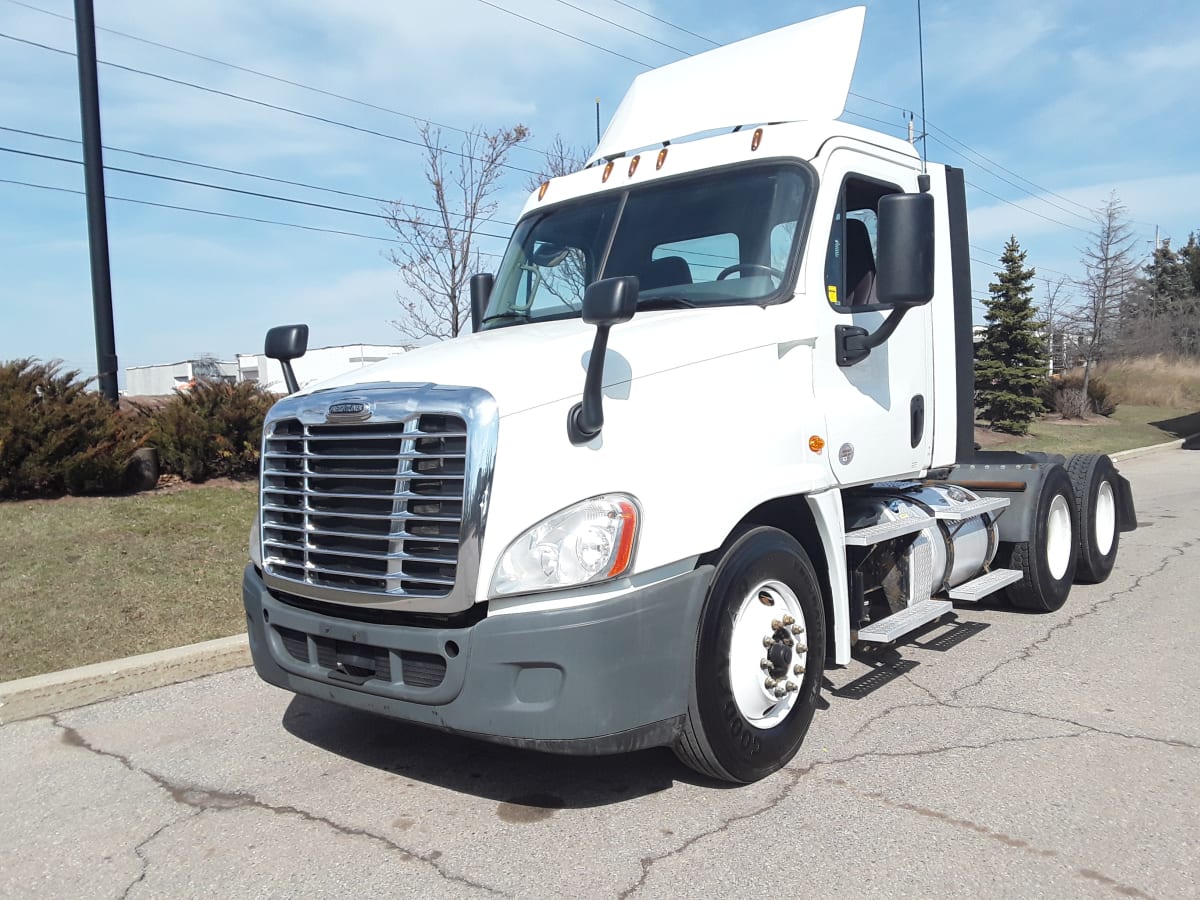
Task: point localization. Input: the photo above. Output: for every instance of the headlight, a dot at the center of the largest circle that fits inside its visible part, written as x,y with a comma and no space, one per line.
255,545
590,541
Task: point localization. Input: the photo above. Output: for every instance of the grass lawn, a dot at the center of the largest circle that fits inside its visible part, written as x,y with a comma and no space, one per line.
1130,426
88,579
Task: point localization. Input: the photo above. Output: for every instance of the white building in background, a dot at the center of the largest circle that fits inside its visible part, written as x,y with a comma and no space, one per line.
167,378
316,365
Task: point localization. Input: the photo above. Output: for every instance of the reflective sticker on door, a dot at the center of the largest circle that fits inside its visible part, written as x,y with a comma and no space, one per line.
846,454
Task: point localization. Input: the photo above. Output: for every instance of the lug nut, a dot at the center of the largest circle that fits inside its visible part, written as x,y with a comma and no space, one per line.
788,620
798,669
791,686
796,629
780,693
768,641
770,683
776,624
764,663
801,648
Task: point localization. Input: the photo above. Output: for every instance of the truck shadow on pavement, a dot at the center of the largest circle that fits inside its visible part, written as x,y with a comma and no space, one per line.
529,785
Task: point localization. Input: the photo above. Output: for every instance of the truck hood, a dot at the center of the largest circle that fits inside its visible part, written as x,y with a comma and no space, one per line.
530,365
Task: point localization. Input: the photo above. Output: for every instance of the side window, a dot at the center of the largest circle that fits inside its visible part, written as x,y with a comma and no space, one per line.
850,257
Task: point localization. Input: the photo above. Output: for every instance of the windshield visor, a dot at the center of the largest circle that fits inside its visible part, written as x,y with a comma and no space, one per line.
717,238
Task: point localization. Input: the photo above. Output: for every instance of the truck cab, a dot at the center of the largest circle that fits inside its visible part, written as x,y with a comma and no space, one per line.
712,427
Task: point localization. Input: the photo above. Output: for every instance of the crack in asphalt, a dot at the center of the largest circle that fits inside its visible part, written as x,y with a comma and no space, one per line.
204,799
1000,837
145,841
1028,651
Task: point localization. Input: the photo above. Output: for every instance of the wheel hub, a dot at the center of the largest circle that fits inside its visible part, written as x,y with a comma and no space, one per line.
765,689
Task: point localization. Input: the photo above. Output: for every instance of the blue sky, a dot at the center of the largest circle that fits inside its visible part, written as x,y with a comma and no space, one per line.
1067,100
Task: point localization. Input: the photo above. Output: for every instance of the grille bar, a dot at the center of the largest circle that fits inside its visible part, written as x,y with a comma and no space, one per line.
392,479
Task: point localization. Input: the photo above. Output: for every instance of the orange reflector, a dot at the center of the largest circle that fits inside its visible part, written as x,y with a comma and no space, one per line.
756,140
607,172
542,189
662,158
816,443
625,538
633,165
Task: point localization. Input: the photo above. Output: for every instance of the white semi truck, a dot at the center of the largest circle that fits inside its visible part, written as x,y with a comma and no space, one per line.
712,428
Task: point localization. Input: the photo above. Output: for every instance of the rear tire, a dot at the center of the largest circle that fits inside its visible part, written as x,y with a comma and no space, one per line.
1094,481
738,729
1047,561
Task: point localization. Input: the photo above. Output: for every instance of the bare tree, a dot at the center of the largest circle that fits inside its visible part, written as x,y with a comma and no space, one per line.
1052,310
560,159
437,253
1109,271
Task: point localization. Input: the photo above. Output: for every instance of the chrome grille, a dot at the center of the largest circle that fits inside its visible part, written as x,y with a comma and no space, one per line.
374,508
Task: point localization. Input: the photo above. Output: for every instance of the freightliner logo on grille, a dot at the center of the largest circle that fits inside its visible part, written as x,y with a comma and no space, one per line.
348,411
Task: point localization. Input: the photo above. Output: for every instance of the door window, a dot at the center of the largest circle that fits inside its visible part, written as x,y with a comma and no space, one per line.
850,257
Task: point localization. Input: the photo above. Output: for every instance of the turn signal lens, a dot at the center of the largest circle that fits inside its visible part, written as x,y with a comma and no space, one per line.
662,158
542,189
816,443
607,172
633,163
756,140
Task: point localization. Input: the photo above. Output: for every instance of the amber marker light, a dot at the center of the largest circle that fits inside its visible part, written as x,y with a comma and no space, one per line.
662,158
633,163
628,532
607,171
542,189
756,140
816,443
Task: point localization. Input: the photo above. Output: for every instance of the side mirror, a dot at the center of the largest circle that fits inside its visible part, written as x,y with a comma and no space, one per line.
285,343
611,301
481,293
904,258
605,304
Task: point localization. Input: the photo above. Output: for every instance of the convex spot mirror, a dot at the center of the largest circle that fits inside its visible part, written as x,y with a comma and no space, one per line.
904,256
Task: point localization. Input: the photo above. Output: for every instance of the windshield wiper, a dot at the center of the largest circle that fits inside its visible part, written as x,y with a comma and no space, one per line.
504,315
666,303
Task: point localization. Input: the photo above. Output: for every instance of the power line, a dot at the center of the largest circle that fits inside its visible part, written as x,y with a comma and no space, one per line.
262,103
1039,268
205,212
622,27
565,34
1026,209
261,74
665,22
249,193
270,178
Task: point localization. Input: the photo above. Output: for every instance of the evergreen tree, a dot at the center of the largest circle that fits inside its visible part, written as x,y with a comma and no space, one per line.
1010,361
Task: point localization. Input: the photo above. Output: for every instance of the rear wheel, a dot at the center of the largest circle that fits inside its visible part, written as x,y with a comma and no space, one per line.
1047,561
1093,479
759,657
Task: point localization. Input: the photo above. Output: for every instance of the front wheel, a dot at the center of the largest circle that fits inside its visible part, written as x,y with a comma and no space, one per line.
759,658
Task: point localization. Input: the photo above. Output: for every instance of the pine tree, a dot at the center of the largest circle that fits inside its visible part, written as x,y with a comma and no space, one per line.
1010,361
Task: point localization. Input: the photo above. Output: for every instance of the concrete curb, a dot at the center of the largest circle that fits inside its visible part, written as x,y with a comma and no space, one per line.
44,694
1153,448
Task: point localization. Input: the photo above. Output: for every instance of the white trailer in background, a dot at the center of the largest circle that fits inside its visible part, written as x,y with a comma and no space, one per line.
318,364
712,428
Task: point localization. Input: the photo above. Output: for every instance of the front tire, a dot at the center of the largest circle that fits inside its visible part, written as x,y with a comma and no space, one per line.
1094,481
759,658
1047,561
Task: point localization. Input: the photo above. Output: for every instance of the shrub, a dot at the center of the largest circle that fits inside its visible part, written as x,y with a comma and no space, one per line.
58,437
1064,395
214,429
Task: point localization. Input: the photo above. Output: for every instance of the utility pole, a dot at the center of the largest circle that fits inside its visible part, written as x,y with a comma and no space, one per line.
93,173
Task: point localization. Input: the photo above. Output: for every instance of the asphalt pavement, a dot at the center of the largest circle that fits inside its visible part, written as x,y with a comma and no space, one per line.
1000,754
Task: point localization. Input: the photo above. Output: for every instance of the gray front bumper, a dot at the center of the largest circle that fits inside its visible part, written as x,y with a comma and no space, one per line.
606,677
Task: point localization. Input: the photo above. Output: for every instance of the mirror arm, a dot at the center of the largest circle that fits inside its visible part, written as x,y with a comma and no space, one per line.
854,344
289,377
586,418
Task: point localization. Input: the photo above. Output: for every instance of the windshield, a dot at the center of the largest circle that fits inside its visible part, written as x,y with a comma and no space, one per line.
715,238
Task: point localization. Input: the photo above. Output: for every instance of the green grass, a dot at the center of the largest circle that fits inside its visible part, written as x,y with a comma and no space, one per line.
1130,426
89,579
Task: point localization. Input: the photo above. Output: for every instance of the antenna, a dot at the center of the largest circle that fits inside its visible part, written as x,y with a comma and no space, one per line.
597,120
924,126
